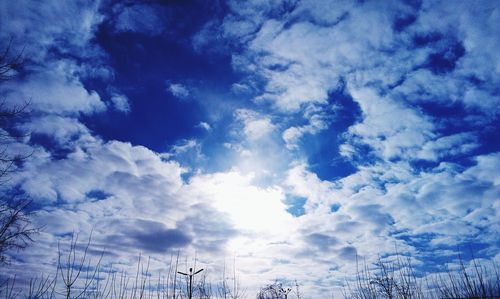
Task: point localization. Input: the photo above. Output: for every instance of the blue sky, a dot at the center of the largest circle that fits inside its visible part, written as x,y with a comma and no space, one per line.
289,135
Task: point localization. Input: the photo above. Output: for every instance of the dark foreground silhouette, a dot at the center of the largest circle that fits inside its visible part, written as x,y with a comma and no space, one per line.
79,276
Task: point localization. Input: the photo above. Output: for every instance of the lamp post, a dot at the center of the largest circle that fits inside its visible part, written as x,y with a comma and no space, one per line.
285,291
191,274
281,291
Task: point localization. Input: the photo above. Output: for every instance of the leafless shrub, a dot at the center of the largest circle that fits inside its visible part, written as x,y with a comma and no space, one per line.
9,64
274,291
15,227
71,268
9,113
397,279
79,276
228,290
203,289
43,287
298,294
7,289
389,279
477,281
362,288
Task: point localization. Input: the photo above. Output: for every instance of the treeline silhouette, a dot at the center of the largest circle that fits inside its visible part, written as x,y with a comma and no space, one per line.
78,275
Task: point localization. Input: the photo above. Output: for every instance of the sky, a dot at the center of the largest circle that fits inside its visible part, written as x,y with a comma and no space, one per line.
286,137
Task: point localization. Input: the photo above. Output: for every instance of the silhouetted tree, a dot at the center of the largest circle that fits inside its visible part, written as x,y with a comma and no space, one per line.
15,225
274,291
9,65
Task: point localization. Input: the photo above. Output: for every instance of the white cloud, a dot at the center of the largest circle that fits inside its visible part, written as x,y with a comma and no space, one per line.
445,203
178,90
486,168
255,125
53,85
204,125
476,26
56,89
129,193
318,120
111,163
144,198
303,183
390,128
394,130
451,145
304,61
424,86
185,146
303,54
304,81
67,26
120,102
66,131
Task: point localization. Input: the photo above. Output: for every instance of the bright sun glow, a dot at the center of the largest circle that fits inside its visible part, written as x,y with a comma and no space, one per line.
252,209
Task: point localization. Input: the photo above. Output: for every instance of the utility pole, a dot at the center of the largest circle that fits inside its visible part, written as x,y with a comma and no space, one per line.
191,274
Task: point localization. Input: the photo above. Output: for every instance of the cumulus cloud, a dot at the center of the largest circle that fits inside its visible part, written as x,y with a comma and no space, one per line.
156,199
304,53
390,128
370,212
282,54
113,158
402,68
319,194
450,145
147,206
52,84
65,131
420,179
55,90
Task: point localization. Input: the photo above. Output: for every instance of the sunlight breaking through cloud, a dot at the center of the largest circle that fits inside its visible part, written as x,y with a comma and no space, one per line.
292,137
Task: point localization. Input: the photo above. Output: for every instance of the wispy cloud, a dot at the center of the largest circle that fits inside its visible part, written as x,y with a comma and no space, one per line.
139,18
178,90
255,125
204,125
120,103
